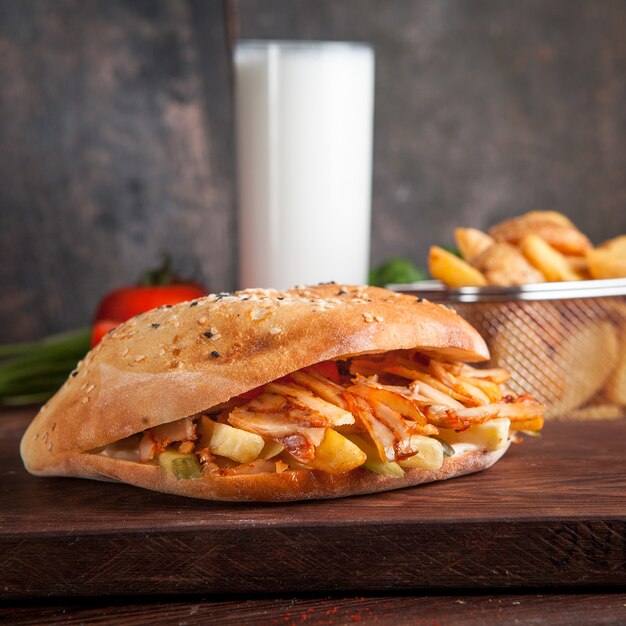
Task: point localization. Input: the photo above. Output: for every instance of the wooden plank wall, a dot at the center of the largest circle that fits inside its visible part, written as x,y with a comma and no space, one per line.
115,144
116,131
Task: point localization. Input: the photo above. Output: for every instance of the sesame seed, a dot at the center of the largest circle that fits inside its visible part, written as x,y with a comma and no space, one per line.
259,314
215,354
275,331
155,325
203,320
124,352
90,388
139,358
84,400
379,318
74,373
162,352
368,317
194,303
49,446
54,425
208,334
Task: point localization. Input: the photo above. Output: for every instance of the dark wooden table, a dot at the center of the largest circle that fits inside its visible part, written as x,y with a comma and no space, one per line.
540,537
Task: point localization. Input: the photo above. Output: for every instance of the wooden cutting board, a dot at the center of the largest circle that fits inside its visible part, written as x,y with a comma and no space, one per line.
550,514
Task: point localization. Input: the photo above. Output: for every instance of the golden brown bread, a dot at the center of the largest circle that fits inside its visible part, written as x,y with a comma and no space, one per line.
177,361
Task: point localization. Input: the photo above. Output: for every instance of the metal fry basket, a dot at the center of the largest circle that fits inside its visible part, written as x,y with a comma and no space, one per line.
565,343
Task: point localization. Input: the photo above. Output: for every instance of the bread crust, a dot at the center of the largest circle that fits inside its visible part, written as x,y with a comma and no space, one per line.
177,361
285,487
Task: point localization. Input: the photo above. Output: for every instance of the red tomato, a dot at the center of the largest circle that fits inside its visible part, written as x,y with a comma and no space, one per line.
328,369
124,303
100,329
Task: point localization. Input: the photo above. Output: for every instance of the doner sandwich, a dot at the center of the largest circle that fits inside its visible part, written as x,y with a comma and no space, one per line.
315,392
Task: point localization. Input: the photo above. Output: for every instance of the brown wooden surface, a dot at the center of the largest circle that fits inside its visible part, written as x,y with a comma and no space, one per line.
551,514
467,610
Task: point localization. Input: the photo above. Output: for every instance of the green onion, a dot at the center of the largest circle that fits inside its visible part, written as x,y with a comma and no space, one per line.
31,372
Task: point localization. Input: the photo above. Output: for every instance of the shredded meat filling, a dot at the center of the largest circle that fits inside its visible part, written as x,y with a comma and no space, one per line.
388,398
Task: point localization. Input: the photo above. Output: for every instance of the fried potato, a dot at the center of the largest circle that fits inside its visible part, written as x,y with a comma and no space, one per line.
453,271
553,227
504,265
607,263
579,265
550,262
232,443
336,454
617,245
373,462
429,456
471,242
549,216
491,435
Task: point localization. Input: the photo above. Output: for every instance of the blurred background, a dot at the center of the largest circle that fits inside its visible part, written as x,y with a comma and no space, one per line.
117,139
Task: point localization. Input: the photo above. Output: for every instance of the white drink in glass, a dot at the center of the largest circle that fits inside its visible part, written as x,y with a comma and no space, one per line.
304,115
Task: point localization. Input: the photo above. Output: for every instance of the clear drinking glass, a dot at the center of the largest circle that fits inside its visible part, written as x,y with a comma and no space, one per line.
304,116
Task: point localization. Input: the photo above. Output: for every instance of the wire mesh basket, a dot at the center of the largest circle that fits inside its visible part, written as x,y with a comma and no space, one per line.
565,343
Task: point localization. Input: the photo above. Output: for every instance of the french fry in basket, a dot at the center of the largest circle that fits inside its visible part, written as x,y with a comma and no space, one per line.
607,263
472,242
550,262
555,228
616,245
579,265
452,270
503,264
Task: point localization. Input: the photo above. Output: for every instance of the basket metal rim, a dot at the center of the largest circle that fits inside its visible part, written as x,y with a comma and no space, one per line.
565,290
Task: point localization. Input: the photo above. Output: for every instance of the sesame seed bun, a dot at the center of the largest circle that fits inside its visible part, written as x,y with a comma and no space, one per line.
177,361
